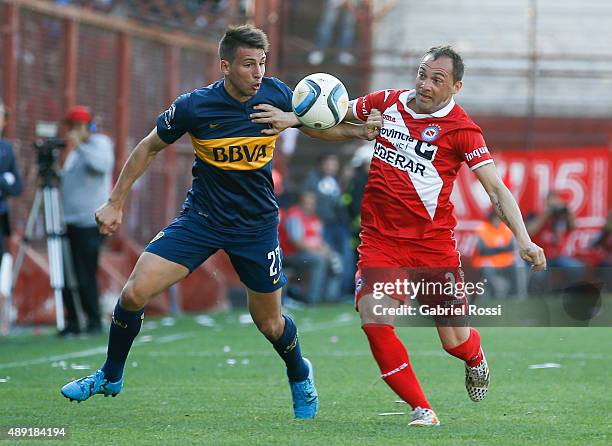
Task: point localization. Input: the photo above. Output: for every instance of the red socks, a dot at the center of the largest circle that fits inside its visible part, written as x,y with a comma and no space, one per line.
394,364
470,350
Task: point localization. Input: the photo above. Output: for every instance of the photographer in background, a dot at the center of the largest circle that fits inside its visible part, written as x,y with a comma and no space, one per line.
551,228
86,178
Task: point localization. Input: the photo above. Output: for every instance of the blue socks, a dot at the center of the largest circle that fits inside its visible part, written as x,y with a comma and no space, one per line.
126,324
288,348
124,328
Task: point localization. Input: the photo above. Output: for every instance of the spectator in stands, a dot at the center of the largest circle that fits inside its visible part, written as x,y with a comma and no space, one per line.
602,245
333,9
10,186
551,228
352,198
324,182
10,179
306,252
495,257
86,178
360,163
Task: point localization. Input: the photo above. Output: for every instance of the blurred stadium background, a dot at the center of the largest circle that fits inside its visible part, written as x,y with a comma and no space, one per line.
538,81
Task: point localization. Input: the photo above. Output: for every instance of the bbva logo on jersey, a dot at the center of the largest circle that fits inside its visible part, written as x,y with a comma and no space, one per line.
235,154
247,153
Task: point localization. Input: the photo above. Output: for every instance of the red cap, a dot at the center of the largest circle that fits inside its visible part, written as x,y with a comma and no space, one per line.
78,113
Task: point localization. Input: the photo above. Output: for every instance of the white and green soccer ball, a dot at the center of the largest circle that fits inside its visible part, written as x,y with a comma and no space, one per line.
320,101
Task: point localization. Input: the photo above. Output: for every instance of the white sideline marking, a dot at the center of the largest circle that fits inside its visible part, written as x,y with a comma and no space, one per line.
89,352
159,340
343,354
54,358
324,325
172,338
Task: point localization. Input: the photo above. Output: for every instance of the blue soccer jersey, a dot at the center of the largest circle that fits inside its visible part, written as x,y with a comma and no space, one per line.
232,173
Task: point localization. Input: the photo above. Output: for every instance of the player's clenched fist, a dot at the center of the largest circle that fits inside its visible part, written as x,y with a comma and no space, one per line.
108,218
373,124
533,254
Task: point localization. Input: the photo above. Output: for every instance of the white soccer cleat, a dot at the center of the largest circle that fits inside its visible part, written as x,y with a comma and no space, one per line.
477,380
424,417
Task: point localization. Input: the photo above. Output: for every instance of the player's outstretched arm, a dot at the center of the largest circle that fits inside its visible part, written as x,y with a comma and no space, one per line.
347,130
110,214
510,213
279,120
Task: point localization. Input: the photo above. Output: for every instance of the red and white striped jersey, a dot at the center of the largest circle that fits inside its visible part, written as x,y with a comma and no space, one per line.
415,163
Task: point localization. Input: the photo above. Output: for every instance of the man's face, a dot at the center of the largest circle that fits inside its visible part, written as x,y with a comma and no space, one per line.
308,203
330,166
78,131
435,84
554,201
245,72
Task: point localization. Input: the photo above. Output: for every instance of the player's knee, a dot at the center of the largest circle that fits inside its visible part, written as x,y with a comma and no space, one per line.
373,319
371,311
451,337
270,328
133,297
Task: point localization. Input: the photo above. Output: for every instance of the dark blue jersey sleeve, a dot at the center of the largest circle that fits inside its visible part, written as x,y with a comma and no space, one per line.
285,96
176,121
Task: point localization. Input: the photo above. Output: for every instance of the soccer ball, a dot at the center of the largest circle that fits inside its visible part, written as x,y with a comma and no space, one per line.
320,101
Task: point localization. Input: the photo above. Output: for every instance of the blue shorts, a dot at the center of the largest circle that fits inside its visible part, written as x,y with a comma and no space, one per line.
256,257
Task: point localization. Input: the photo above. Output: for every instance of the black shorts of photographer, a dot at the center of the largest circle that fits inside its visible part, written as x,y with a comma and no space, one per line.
86,178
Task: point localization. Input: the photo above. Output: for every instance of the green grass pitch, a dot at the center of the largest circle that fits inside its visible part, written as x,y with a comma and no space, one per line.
223,384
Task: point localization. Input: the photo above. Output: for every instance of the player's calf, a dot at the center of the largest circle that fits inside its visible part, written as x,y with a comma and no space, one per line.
125,326
271,328
477,376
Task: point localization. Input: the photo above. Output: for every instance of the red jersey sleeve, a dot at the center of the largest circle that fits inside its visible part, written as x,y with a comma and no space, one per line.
472,148
363,105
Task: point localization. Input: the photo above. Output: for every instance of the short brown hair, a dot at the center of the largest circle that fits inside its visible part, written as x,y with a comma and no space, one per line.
447,51
241,36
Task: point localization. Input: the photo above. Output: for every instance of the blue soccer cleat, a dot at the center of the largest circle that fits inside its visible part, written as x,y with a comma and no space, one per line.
81,389
304,394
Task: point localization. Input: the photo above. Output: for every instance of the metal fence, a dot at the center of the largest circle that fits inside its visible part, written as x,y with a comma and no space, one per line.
201,17
54,57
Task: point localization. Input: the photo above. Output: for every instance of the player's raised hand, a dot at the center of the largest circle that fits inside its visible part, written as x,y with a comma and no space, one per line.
373,124
533,254
108,218
276,119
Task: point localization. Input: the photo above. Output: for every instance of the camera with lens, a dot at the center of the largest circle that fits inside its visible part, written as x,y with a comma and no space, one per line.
47,147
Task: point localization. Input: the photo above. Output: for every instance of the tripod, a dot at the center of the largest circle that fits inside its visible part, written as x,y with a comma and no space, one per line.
48,198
